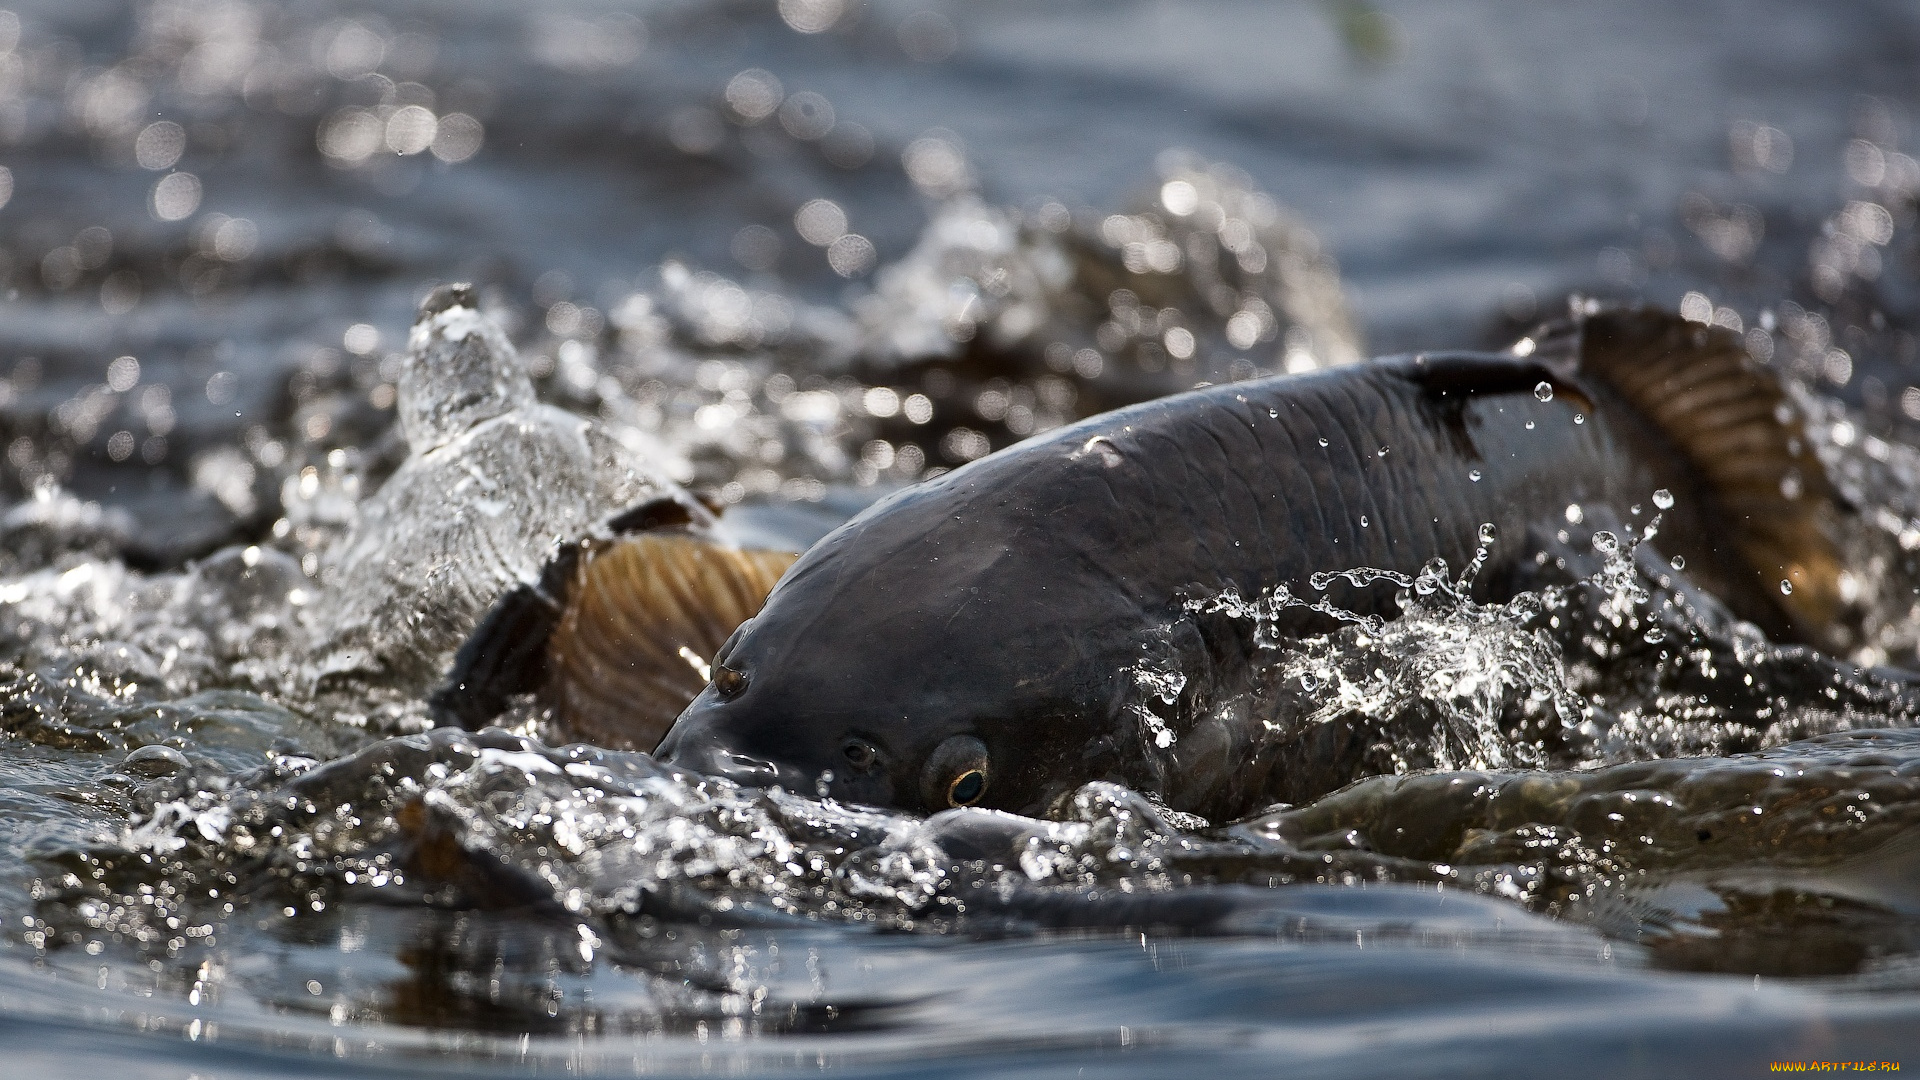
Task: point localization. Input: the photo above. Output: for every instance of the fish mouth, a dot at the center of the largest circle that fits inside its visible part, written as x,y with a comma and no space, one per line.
692,747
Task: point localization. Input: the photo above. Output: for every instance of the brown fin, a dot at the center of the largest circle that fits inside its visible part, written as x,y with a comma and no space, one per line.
1733,420
644,616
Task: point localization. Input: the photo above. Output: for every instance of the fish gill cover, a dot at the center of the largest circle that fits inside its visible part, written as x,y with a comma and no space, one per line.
250,517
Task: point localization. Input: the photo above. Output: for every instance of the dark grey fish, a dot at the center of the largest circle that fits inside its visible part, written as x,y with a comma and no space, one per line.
969,640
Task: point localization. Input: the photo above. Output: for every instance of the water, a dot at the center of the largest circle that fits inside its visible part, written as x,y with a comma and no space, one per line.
795,255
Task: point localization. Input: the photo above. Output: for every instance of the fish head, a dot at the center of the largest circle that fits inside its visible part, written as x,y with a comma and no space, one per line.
856,759
918,684
862,735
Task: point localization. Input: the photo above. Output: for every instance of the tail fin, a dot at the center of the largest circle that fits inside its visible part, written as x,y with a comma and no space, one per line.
643,618
617,633
1733,420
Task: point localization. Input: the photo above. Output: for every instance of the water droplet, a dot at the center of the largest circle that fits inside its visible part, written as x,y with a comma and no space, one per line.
1473,475
1678,562
1274,413
1606,543
1655,635
155,761
1323,442
1544,391
1786,587
1575,515
1432,577
1529,425
1579,418
1363,521
1663,499
1381,453
1488,534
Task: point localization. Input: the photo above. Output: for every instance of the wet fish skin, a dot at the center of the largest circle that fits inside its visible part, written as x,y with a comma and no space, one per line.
1008,600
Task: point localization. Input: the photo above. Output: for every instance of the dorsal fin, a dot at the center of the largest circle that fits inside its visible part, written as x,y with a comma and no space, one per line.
644,615
1735,423
1460,375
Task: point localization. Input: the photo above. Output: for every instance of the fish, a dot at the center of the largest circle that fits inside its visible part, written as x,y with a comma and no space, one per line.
970,641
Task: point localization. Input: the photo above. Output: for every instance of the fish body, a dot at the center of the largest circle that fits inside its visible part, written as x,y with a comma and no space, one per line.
977,639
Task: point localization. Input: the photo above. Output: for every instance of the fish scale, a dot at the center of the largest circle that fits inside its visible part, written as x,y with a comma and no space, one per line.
1401,495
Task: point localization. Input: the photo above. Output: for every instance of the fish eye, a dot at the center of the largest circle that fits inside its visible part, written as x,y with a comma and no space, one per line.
728,682
860,754
967,788
956,773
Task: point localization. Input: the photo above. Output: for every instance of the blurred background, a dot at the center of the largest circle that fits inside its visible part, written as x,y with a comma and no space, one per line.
791,245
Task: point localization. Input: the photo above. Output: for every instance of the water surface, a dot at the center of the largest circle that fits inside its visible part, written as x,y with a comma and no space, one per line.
796,255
